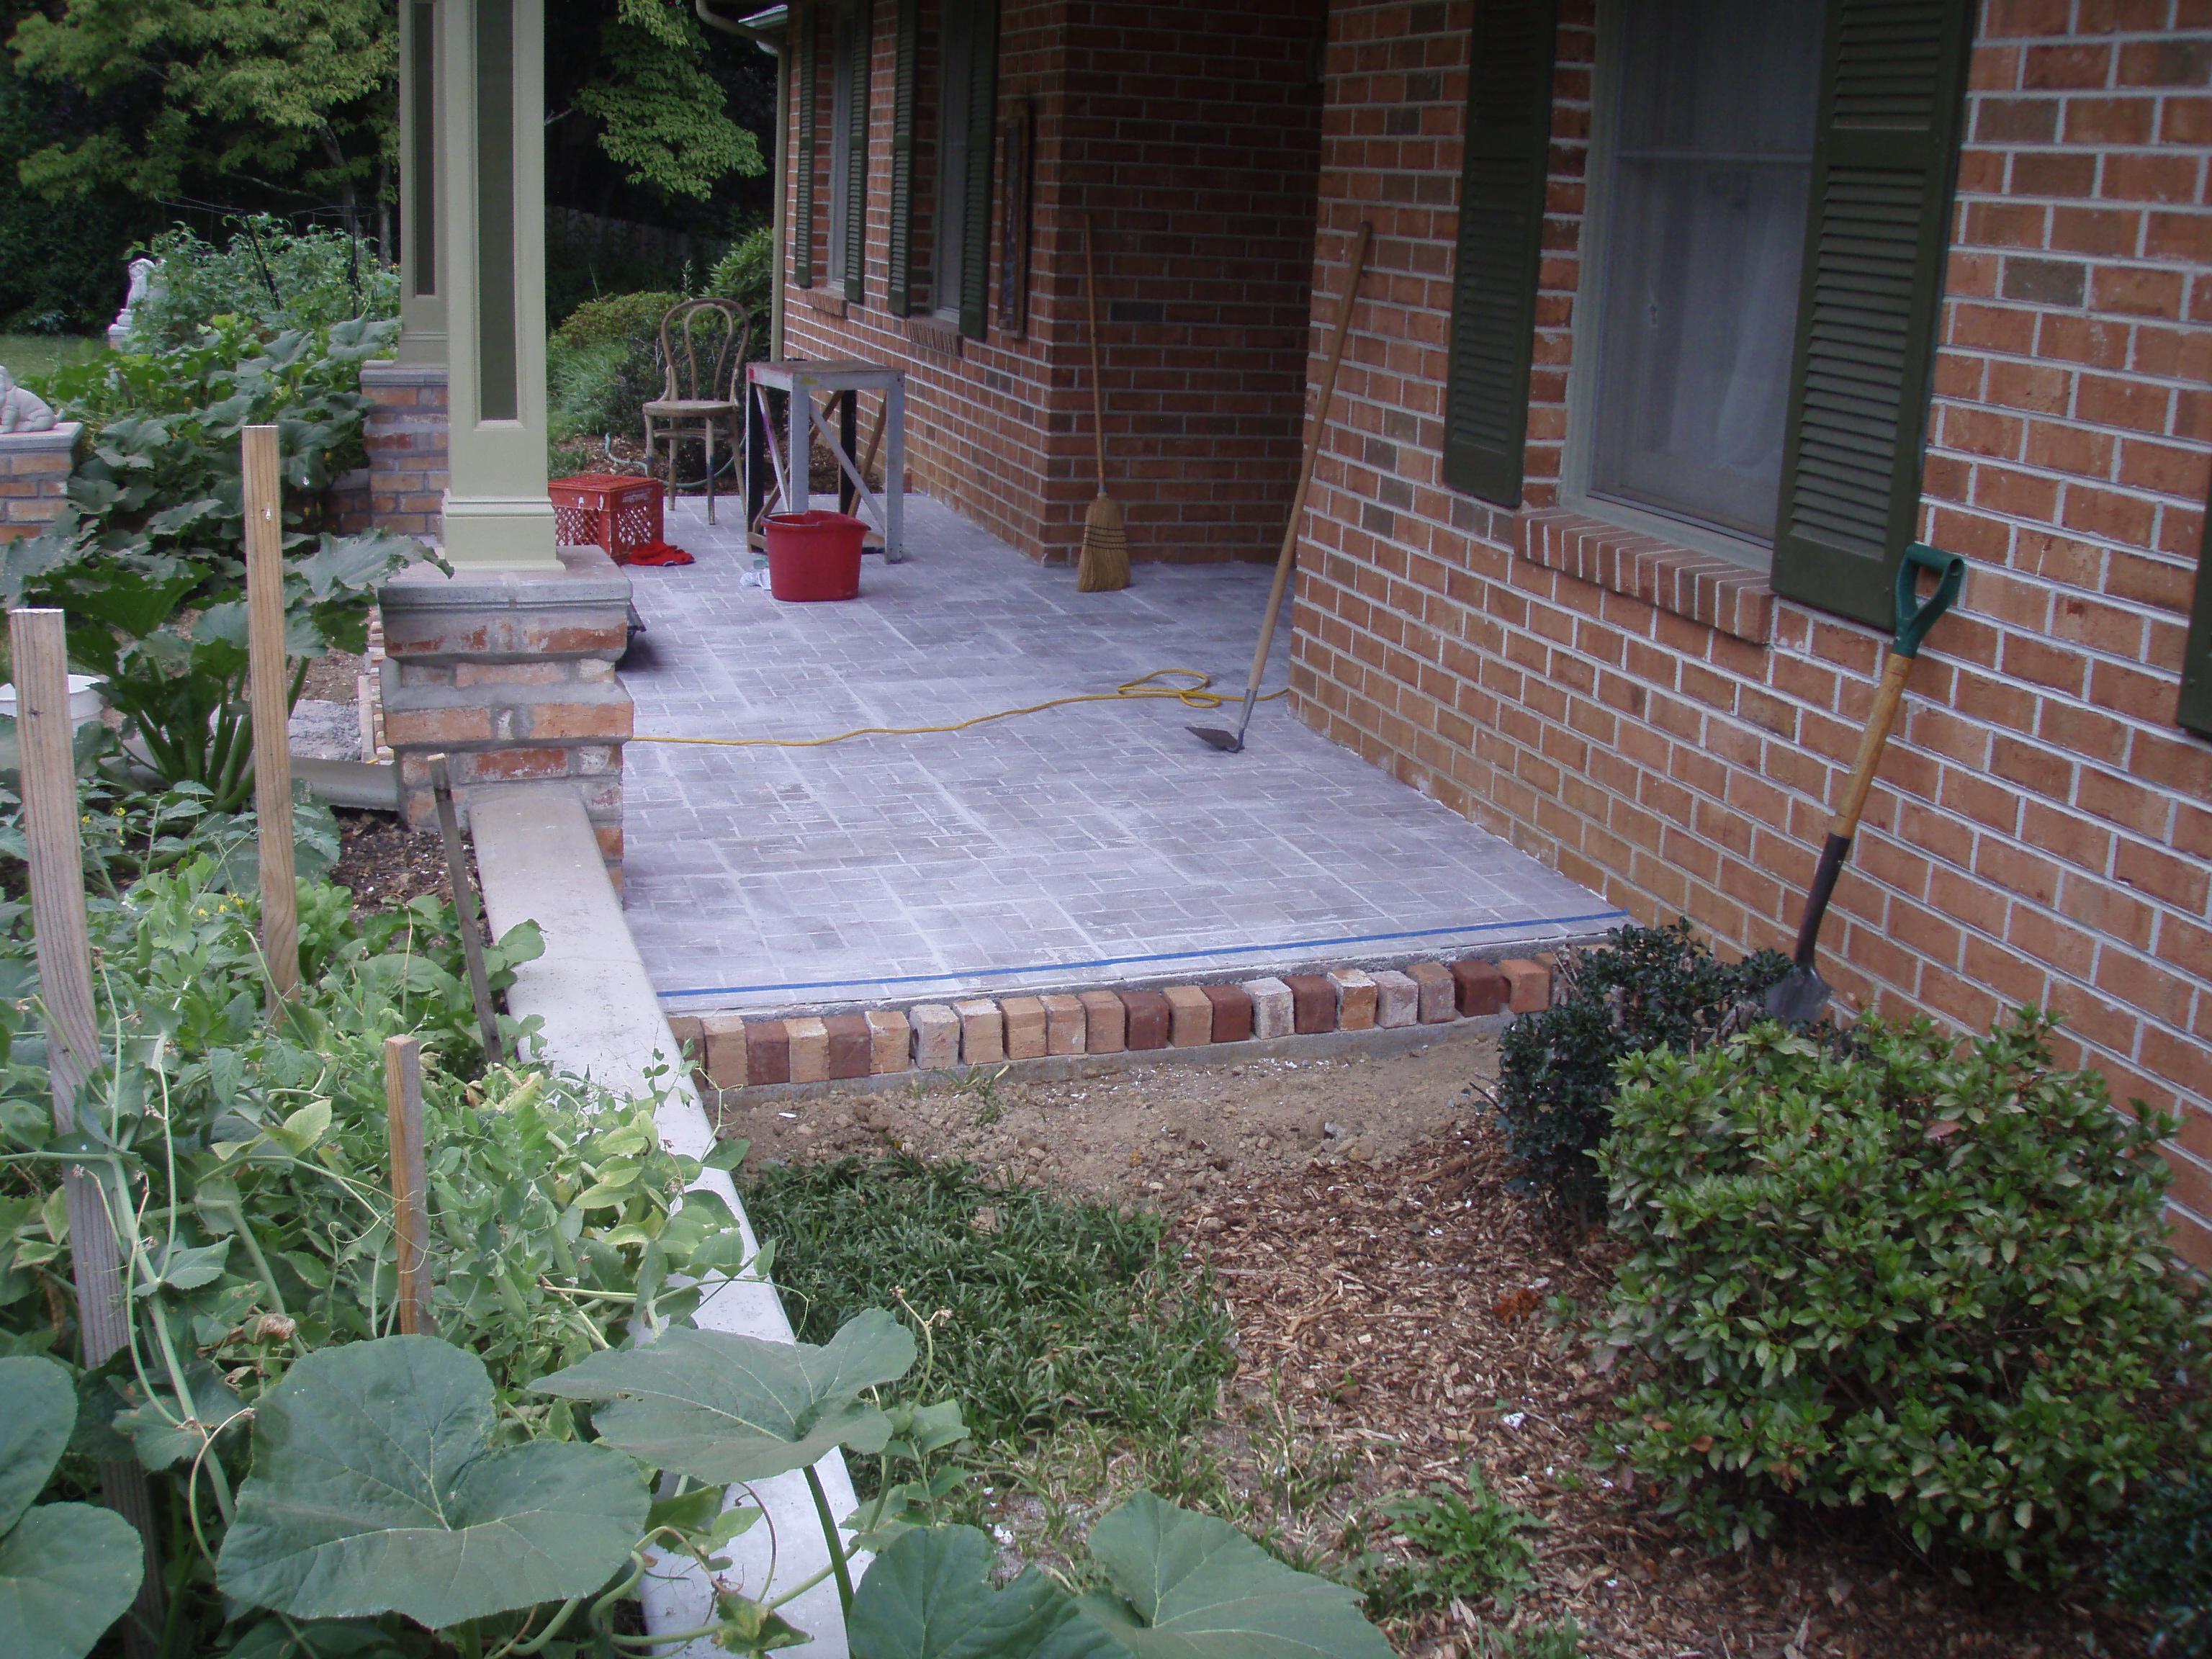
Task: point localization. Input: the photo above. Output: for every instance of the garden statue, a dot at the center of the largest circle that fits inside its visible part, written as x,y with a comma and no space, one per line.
22,410
142,284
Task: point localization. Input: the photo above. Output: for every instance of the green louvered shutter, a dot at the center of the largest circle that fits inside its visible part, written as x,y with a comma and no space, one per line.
861,22
2196,710
899,285
802,211
983,128
1885,157
1501,234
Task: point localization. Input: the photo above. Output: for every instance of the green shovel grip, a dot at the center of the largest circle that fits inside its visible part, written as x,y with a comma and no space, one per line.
1914,616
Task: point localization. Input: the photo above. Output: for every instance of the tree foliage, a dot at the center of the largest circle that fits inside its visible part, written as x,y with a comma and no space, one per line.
660,114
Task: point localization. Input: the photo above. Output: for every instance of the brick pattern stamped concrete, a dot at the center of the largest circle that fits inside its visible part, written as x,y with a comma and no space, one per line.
1099,842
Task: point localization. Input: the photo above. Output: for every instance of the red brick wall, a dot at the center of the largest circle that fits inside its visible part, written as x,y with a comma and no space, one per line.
1191,133
1669,733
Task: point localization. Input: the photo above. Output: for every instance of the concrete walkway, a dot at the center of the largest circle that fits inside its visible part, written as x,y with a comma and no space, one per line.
1089,845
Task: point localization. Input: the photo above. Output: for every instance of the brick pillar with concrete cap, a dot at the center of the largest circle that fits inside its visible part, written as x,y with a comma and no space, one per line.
34,470
512,674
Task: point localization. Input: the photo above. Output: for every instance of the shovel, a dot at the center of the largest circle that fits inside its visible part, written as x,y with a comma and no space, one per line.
1233,742
1801,995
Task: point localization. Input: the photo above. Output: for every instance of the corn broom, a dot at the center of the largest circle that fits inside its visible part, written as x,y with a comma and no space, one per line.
1105,566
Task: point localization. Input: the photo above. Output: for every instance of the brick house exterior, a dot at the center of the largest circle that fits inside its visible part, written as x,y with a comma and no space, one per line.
1657,721
1191,136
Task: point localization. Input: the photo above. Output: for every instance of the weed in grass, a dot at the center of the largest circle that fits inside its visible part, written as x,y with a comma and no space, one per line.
983,1088
1299,1470
1460,1551
1057,1311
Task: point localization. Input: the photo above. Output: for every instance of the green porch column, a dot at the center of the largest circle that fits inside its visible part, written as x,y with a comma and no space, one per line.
421,249
490,237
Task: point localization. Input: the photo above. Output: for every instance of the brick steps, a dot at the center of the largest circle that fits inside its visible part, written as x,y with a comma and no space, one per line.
1036,1034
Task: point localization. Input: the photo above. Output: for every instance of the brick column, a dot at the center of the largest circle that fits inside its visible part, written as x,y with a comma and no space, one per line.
408,465
512,673
34,469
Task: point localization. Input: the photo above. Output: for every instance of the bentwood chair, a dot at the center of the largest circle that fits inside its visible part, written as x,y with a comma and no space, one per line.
702,345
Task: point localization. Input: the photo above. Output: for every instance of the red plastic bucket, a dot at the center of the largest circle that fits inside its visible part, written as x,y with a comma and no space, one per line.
814,555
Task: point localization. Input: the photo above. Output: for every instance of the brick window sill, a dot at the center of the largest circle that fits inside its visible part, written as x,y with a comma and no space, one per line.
934,334
1698,585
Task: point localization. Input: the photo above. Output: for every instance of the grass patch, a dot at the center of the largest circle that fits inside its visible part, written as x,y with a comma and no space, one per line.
32,357
1059,1312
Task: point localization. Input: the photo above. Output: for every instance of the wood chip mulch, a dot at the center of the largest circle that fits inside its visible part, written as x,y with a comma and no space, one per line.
1402,1309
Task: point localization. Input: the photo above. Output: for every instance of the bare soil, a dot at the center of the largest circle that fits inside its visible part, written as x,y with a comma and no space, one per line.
1389,1294
386,864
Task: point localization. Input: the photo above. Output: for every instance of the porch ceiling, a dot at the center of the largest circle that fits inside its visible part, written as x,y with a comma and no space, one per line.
1094,844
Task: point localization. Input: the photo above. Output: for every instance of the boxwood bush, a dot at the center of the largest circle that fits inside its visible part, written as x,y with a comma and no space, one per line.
1650,988
1927,1277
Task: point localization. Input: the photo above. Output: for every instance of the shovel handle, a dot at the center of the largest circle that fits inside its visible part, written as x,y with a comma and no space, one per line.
1846,821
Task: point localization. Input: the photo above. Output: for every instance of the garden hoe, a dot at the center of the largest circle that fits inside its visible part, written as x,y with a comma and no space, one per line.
1234,741
1801,995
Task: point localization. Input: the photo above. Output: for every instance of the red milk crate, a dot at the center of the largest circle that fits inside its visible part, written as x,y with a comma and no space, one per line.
620,513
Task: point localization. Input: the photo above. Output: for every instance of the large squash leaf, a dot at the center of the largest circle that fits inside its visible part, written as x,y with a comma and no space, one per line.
1192,1586
67,1571
375,1489
721,1407
929,1596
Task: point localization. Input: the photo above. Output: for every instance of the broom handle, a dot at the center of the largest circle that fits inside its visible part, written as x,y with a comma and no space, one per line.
1097,381
1288,557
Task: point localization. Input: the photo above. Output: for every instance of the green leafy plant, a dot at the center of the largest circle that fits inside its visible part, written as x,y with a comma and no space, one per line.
376,1489
1560,1641
2161,1562
1177,1583
747,273
1650,987
1458,1550
148,558
274,277
1051,1308
1927,1277
67,1571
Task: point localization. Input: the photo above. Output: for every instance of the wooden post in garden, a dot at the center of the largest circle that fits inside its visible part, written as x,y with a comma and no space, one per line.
45,736
410,1214
270,688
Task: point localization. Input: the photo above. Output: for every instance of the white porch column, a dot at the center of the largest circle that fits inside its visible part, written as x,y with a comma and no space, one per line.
490,238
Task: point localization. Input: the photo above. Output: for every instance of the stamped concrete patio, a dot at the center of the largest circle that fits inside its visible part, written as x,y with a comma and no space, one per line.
1096,844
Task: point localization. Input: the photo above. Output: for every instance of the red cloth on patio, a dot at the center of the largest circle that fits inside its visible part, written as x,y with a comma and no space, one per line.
658,553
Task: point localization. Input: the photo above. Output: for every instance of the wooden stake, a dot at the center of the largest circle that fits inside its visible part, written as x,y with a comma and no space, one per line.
270,686
410,1221
55,852
464,905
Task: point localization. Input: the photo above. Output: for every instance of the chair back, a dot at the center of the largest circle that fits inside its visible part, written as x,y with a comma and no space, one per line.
703,344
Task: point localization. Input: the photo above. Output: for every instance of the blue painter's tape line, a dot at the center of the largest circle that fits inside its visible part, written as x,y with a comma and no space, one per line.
1607,917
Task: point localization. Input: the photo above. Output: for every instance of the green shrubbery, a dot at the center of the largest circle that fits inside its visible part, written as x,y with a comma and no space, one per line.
603,364
275,277
2162,1562
1921,1276
1652,987
148,557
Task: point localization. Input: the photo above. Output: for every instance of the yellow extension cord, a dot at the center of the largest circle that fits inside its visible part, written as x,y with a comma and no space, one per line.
1191,697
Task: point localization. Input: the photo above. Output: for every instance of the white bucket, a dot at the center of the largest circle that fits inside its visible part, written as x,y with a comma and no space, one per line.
85,701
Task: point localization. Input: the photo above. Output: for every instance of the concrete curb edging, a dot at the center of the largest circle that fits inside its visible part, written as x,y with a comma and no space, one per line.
541,861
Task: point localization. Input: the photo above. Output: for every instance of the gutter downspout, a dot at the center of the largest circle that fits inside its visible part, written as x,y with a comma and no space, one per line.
765,29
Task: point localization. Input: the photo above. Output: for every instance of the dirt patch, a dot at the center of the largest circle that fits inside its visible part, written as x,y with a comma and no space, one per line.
1391,1297
1163,1135
335,677
386,864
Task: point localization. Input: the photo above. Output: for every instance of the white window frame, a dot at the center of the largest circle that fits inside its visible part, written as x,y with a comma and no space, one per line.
1589,333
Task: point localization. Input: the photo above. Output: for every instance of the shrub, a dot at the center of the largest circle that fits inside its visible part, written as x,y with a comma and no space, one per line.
1459,1551
604,363
1652,987
2162,1562
747,273
274,277
1926,1278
